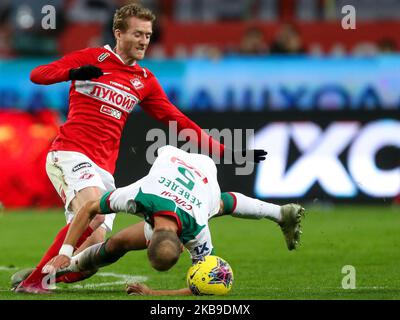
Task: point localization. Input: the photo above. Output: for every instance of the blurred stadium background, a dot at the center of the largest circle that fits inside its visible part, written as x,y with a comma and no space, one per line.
323,101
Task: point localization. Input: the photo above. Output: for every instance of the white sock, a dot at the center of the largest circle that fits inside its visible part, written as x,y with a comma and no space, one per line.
249,208
84,260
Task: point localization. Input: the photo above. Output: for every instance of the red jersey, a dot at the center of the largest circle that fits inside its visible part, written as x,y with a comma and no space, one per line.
99,108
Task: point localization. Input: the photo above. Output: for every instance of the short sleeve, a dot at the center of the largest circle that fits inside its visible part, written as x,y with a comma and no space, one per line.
121,199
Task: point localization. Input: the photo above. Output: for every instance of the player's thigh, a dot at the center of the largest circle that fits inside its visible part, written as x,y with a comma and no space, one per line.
72,172
78,180
56,175
130,238
85,195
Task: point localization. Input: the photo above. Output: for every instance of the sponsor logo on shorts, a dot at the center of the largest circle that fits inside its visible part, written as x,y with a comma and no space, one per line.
111,111
81,166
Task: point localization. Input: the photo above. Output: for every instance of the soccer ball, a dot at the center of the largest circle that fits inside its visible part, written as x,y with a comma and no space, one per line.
210,276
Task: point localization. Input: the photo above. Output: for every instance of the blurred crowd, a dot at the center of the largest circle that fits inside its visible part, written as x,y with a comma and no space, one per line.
21,32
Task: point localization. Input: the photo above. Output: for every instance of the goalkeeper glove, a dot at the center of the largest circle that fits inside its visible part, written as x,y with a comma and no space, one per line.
85,73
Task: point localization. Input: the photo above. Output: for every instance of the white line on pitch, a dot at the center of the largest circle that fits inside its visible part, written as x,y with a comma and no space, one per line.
4,268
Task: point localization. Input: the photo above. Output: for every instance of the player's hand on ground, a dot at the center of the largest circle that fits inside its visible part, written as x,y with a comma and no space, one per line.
139,289
57,263
256,155
86,72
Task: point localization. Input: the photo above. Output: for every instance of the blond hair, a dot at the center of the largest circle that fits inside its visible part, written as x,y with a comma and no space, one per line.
131,10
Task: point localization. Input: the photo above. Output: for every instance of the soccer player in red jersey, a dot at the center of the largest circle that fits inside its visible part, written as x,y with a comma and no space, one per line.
106,85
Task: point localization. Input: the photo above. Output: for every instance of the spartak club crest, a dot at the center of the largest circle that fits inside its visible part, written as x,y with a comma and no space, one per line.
137,84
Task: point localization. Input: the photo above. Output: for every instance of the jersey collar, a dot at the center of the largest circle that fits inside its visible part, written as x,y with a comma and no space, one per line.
117,55
171,214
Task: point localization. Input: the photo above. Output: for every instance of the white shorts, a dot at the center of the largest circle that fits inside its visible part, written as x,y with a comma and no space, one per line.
70,172
148,231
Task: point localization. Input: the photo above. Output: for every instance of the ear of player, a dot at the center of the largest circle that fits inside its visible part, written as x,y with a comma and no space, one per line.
86,72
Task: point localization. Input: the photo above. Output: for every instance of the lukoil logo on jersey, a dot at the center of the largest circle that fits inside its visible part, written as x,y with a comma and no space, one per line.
105,93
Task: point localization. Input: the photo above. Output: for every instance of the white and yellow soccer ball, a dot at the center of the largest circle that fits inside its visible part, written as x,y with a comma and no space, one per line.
210,276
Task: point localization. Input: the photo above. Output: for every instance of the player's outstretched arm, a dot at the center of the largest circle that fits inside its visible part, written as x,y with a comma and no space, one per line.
143,290
78,65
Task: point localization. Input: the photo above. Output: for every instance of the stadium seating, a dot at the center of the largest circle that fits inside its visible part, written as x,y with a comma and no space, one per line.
73,37
325,35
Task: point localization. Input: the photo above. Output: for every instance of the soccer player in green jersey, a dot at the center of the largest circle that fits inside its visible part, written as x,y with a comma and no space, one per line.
176,200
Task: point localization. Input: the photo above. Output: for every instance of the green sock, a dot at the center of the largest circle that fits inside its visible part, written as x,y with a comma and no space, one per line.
105,257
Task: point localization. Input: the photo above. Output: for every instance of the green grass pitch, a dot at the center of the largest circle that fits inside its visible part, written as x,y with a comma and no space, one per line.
366,237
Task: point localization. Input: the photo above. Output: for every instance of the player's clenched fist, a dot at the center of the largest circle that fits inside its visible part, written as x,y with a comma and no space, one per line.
85,73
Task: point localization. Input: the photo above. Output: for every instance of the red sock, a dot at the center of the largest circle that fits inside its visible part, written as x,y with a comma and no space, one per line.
74,277
37,275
